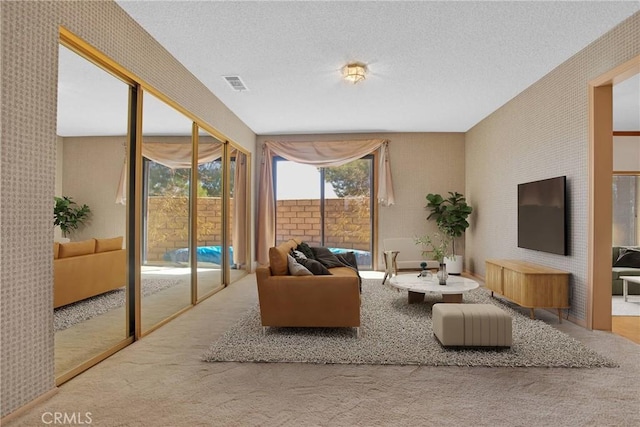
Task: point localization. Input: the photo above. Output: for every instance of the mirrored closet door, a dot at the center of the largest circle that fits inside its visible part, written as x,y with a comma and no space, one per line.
165,273
166,222
209,219
90,261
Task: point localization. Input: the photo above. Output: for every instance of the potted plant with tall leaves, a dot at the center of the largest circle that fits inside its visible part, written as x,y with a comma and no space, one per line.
68,215
451,215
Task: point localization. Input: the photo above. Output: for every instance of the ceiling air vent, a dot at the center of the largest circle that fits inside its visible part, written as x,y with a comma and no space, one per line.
236,83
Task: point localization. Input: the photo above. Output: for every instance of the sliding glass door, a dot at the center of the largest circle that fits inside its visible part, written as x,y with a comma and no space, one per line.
326,207
347,216
298,193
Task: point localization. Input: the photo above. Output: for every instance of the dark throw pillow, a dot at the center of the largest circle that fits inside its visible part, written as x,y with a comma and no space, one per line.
315,267
306,250
628,258
348,258
326,257
296,254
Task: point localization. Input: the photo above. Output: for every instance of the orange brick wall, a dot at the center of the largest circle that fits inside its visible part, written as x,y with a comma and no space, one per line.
347,222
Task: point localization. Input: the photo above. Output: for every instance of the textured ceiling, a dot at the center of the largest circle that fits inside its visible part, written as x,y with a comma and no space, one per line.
433,66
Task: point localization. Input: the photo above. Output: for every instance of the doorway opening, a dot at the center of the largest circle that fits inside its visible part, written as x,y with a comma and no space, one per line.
601,173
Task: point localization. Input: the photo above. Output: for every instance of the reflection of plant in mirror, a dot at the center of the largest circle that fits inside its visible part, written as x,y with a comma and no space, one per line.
69,215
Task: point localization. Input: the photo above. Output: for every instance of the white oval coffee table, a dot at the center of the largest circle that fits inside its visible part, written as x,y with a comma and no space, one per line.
417,287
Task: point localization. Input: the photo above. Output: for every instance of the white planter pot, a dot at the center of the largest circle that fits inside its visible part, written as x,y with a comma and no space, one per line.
454,264
61,240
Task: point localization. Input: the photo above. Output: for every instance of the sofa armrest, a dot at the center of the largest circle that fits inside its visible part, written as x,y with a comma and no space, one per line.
262,273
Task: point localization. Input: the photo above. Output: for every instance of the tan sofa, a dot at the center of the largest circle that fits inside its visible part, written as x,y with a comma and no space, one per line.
306,301
87,268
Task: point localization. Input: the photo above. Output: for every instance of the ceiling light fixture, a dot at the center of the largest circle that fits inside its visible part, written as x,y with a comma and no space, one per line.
355,72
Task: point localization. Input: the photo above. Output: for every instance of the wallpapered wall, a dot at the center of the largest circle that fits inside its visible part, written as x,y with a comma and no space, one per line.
541,133
28,169
91,172
421,163
626,153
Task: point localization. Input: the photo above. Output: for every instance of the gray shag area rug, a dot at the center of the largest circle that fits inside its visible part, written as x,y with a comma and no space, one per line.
66,316
396,333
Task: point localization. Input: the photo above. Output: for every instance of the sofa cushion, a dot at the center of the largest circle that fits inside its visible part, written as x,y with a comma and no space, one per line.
278,257
70,249
628,258
296,269
106,245
306,250
326,257
56,250
619,250
315,267
343,272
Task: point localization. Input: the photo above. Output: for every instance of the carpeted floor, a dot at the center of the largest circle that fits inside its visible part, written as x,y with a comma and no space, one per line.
394,332
162,381
69,315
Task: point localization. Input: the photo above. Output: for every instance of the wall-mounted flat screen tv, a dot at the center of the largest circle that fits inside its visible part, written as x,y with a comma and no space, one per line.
542,218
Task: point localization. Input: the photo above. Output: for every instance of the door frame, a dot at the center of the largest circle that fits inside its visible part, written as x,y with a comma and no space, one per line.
600,192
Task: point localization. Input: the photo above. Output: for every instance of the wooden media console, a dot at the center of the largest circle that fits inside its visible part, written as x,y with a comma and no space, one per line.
528,285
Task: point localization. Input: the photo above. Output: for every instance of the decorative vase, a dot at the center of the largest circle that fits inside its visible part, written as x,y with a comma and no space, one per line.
425,275
442,274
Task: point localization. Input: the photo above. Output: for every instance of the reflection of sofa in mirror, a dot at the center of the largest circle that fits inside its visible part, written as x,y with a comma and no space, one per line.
629,265
87,268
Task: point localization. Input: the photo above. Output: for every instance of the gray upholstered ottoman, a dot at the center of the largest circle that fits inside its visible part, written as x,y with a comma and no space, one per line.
475,325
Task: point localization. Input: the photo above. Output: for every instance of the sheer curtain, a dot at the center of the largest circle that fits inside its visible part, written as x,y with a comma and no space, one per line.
319,154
